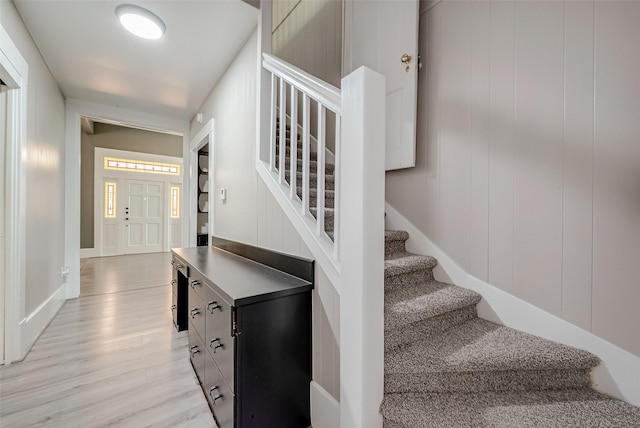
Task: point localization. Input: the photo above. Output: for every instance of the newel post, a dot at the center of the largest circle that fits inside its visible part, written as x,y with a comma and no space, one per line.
361,195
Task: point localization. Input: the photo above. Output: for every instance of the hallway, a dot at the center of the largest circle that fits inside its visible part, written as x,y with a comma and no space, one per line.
109,358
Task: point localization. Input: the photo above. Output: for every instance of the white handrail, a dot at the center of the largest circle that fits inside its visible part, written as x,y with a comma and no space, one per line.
325,93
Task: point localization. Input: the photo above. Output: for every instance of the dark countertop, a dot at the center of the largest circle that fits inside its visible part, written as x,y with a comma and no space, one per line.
239,280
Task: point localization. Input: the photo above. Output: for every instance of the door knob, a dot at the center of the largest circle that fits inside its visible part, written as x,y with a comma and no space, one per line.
406,59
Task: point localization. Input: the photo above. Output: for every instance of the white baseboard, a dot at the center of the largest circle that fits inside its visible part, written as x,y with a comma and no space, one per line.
325,410
37,321
618,375
86,253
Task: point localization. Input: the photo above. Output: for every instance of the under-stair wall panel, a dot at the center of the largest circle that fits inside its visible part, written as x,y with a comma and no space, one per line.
616,198
531,184
480,140
539,103
577,226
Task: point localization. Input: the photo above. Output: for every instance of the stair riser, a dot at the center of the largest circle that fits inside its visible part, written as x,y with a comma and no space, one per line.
406,279
313,200
480,381
392,247
397,335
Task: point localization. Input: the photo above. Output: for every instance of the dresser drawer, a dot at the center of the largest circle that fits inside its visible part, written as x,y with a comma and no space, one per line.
196,313
197,354
218,394
218,338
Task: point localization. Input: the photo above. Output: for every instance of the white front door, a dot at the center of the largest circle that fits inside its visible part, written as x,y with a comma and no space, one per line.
143,212
383,36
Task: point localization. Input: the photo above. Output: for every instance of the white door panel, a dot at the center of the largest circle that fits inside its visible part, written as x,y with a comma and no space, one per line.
377,35
143,216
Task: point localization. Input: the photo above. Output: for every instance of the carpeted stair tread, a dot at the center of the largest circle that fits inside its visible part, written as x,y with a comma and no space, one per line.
395,235
482,345
313,180
418,302
402,263
574,408
329,197
328,217
479,355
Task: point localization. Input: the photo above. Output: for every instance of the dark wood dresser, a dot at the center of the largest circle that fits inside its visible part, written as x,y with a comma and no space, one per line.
249,322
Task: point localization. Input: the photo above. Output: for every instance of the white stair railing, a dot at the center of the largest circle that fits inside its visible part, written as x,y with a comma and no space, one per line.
343,225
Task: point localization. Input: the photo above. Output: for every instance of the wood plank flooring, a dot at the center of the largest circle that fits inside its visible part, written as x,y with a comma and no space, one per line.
110,358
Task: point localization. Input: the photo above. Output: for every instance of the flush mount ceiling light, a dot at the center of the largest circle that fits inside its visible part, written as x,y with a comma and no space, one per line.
140,21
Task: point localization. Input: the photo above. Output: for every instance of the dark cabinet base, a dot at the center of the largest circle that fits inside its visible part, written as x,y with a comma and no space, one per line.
250,333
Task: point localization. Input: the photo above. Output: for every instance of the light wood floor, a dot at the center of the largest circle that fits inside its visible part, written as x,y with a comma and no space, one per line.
109,358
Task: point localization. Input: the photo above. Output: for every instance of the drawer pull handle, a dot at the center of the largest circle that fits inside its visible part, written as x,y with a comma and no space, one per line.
194,312
173,262
179,266
213,305
217,396
173,282
194,283
194,350
217,345
173,307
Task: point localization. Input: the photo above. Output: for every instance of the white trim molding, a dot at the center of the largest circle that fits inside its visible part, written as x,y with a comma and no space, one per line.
325,410
203,137
75,109
617,374
14,71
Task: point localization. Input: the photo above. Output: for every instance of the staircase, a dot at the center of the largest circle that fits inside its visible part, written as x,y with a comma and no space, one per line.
445,367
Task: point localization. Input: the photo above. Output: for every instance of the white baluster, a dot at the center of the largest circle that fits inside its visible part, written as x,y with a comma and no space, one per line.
283,130
336,191
272,147
306,141
293,153
322,132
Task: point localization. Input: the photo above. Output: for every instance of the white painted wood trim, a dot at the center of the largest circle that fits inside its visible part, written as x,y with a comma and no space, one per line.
326,94
86,253
617,375
320,247
15,72
205,136
325,410
75,109
33,325
362,158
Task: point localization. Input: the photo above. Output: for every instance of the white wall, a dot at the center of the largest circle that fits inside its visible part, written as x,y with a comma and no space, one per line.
43,163
308,34
250,213
527,155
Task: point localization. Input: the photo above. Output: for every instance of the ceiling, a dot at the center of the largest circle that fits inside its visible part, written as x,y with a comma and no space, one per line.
94,59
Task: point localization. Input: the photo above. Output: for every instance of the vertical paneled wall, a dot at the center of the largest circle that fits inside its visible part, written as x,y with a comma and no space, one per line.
308,34
43,164
251,214
528,169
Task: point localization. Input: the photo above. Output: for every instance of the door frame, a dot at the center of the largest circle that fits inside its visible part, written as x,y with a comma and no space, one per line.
101,175
75,110
202,138
14,71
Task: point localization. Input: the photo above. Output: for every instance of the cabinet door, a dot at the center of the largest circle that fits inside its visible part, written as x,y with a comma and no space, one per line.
218,334
196,313
197,353
218,394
